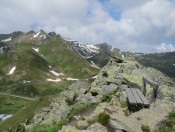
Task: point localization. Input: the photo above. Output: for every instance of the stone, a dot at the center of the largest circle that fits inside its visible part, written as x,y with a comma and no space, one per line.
154,116
82,124
114,81
69,129
110,89
121,122
96,127
123,96
123,87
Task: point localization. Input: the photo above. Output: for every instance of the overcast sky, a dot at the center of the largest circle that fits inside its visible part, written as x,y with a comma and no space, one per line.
132,25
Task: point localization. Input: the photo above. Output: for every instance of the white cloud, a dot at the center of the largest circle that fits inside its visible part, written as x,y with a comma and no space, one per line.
165,47
142,27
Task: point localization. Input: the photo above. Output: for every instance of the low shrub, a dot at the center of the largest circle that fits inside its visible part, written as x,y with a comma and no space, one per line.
69,102
106,98
103,118
145,128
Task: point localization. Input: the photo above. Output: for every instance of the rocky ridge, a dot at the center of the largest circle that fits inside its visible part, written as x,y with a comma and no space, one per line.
112,80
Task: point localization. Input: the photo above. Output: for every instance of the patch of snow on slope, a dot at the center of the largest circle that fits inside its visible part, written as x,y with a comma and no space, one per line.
112,48
2,49
90,48
56,80
93,65
174,64
36,35
6,40
36,49
71,79
56,73
43,57
95,77
25,81
12,71
43,36
85,50
123,57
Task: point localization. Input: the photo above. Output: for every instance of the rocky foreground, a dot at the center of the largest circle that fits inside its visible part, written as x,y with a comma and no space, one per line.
109,95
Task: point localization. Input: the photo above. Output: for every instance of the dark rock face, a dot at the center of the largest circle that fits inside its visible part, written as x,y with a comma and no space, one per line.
12,35
4,47
31,32
52,34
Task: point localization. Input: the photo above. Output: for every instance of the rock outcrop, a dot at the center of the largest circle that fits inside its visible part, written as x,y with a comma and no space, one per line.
112,80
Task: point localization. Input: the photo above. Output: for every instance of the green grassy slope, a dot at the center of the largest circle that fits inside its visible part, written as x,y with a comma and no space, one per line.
63,58
34,67
24,114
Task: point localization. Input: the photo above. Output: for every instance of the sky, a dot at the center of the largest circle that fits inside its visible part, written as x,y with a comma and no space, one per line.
131,25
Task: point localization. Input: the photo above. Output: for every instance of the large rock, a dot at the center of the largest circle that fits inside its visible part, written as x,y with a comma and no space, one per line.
59,109
154,116
82,124
97,127
69,129
121,122
110,89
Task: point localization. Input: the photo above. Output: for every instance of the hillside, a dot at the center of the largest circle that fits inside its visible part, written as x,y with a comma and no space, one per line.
62,84
103,105
165,62
39,58
35,65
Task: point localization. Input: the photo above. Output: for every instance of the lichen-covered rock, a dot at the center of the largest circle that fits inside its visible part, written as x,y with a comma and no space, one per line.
121,122
82,124
107,89
59,109
69,129
113,80
97,127
154,116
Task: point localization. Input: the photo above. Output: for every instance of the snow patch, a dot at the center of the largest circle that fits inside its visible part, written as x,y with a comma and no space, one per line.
36,49
94,77
6,40
90,48
123,57
43,36
174,64
56,80
43,57
56,73
93,65
25,81
36,35
71,79
12,71
112,48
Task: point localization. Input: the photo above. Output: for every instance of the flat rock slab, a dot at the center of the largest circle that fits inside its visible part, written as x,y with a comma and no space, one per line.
153,117
121,122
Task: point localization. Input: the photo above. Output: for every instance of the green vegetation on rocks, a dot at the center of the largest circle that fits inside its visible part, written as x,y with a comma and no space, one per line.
103,118
145,128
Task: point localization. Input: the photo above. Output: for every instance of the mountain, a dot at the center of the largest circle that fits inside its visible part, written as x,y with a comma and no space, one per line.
97,54
72,86
102,105
165,62
40,63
